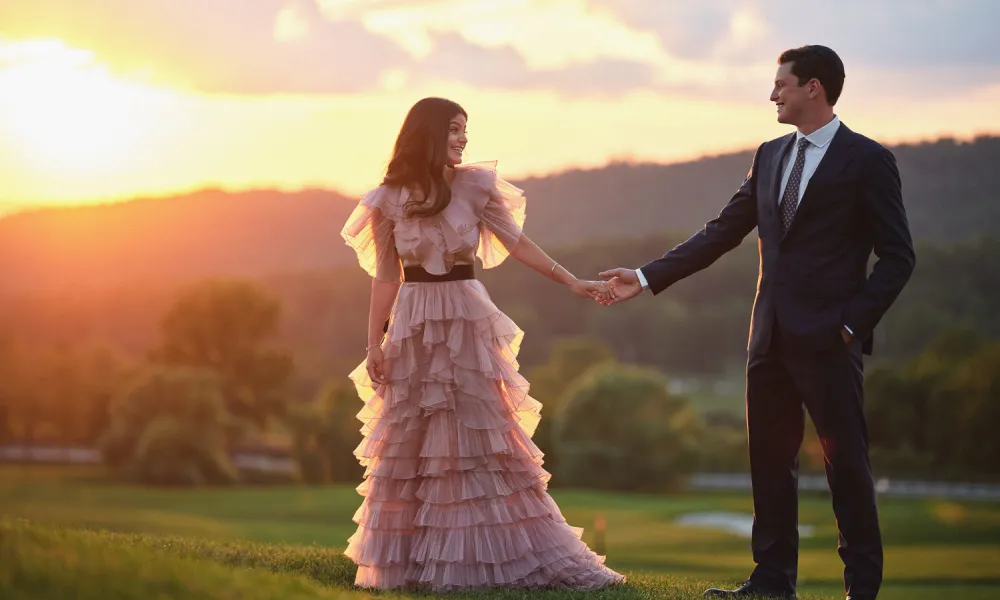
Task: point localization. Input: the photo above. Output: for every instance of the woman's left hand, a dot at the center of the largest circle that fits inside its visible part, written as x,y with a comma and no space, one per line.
378,368
600,291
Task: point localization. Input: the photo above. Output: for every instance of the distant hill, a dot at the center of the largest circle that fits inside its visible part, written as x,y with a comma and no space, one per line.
950,190
171,239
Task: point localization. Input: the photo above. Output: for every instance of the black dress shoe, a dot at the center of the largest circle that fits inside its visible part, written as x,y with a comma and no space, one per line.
749,590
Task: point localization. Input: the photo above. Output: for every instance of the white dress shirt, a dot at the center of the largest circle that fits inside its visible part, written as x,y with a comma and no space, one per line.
819,141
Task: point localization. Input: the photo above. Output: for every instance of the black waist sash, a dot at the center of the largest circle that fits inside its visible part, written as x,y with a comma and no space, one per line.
457,273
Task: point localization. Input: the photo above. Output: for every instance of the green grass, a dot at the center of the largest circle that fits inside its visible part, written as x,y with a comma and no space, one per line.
57,563
71,535
48,562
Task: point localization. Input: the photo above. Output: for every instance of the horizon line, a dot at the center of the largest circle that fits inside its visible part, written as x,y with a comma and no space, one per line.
9,208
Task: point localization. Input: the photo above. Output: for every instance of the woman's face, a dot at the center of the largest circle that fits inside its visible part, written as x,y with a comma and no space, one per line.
456,139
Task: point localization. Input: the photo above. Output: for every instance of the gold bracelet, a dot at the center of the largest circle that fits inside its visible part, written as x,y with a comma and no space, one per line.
373,346
553,269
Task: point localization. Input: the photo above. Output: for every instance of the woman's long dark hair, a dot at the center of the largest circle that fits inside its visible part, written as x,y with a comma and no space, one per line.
421,154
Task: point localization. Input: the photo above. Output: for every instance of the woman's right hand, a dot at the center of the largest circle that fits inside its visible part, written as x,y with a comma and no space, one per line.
376,365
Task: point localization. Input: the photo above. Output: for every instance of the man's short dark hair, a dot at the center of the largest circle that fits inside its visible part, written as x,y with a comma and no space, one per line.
817,62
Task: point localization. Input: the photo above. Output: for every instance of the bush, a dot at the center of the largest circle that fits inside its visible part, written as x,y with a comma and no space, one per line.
936,415
170,427
168,454
724,449
226,326
620,428
569,359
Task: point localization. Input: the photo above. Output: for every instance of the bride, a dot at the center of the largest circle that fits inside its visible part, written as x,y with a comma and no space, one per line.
454,492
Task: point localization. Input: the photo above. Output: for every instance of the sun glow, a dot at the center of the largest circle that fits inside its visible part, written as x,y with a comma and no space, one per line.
68,113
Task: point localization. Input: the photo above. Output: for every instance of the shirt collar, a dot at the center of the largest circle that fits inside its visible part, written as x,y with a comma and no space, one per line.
822,136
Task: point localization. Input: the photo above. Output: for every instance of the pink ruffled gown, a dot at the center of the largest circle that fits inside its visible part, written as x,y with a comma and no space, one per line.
454,492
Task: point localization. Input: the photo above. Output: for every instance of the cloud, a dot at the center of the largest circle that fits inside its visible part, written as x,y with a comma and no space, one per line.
454,58
932,33
547,33
889,33
290,25
225,46
340,46
687,30
712,48
727,49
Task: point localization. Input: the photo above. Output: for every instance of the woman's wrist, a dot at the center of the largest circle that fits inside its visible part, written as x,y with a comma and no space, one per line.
561,275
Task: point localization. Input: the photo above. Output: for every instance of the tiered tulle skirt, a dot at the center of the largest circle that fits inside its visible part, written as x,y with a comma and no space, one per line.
454,492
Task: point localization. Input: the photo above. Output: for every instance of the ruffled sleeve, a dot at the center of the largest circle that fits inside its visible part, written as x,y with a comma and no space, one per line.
369,230
502,221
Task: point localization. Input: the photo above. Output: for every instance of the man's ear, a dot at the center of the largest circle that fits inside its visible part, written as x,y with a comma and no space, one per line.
815,87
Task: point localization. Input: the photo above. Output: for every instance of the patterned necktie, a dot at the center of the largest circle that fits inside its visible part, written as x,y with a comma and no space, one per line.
790,199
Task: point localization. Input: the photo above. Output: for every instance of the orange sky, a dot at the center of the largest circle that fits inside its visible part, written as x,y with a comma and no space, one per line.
138,97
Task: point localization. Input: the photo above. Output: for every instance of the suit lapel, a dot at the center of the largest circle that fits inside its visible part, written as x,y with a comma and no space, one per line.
777,169
834,162
836,158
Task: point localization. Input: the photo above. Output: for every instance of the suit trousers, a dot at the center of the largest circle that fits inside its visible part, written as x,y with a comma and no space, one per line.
782,384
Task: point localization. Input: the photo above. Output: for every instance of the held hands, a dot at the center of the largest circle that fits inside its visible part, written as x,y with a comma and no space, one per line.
624,285
619,285
600,291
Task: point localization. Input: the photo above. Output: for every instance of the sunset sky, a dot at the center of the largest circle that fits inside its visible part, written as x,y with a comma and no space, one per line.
111,99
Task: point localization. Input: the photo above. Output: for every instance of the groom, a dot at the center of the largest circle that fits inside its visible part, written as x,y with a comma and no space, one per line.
822,199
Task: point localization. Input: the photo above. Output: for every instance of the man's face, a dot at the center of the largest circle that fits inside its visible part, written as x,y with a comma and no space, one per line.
789,97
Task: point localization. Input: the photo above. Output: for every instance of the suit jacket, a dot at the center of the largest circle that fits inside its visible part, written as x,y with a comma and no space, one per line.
814,279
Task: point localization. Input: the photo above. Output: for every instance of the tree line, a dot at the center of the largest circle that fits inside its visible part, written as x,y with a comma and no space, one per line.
229,362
